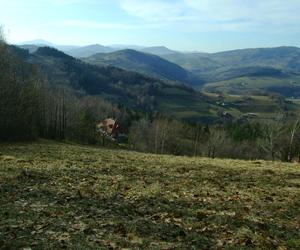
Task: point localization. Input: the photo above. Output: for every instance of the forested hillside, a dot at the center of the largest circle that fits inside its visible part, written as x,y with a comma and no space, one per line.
122,86
146,64
34,105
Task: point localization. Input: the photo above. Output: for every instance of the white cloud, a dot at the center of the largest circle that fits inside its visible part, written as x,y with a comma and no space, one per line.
255,9
223,14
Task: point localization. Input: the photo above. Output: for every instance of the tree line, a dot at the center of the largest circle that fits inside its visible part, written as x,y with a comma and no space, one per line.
272,140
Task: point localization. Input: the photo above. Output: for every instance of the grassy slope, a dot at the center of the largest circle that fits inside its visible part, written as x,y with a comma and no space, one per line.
263,106
236,90
244,85
56,196
188,106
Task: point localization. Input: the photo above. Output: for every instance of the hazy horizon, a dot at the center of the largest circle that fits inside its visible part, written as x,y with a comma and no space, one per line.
132,46
184,25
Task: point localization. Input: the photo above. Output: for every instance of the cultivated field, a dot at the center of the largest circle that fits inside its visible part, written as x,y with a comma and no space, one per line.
55,196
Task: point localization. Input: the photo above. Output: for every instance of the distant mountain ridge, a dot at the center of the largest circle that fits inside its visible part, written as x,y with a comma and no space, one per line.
124,46
144,63
38,42
211,65
192,68
89,50
159,50
42,43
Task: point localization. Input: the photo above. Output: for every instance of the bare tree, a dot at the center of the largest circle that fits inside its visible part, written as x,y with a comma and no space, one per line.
215,142
139,135
292,137
271,136
160,129
197,139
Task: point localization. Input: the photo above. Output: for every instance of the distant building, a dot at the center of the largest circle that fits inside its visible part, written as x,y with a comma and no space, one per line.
112,130
108,127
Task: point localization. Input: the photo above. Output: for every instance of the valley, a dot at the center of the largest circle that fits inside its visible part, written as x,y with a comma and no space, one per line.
260,74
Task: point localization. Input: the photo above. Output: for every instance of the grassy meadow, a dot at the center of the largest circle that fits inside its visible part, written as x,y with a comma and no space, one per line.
63,196
252,85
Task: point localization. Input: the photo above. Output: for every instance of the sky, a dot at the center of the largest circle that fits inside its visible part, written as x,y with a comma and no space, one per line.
186,25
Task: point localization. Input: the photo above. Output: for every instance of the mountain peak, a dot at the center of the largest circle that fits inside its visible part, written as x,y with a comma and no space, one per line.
38,42
95,45
89,50
159,50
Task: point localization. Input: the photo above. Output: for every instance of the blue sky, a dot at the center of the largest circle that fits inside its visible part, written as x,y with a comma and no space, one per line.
202,25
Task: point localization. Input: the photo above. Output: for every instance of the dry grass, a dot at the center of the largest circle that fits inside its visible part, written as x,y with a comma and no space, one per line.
55,196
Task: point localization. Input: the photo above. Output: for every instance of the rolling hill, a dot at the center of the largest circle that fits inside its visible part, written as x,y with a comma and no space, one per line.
148,64
89,50
215,66
246,72
159,50
279,65
226,73
287,58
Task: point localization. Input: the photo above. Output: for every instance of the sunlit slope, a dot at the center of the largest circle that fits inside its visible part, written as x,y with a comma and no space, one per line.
55,196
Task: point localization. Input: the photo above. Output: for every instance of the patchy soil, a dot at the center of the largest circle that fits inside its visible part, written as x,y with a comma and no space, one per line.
56,196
